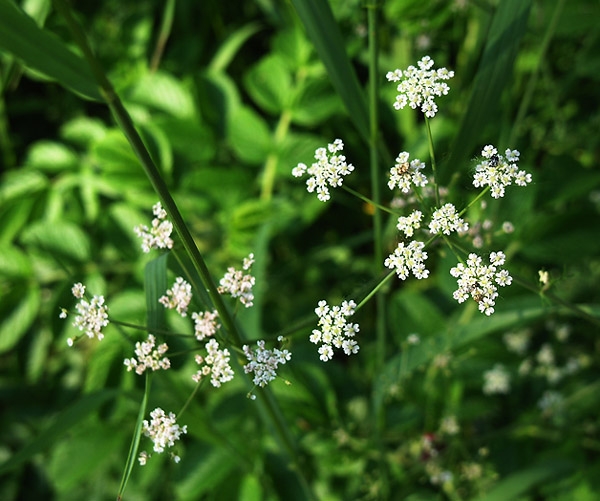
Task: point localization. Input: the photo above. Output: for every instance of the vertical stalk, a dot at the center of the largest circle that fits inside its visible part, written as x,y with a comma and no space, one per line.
378,411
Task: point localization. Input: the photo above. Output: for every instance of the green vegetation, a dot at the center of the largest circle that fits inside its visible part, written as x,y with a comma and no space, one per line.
108,107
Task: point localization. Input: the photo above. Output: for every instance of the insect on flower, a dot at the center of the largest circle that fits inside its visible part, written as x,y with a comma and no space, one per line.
494,160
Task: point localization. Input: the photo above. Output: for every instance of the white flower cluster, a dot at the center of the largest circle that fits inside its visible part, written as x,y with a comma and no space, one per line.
178,297
263,363
499,171
329,170
236,284
148,357
496,380
408,224
479,281
446,220
419,86
159,236
407,258
163,430
91,316
205,324
216,363
403,173
335,331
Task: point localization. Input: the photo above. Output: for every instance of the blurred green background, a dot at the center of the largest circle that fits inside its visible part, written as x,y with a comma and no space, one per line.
229,97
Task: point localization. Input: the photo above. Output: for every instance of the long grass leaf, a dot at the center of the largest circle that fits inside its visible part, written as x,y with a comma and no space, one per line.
42,51
323,30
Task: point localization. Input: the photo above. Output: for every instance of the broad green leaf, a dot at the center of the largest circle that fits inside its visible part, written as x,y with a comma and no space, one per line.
323,30
228,49
163,92
17,314
249,135
70,417
269,84
83,131
17,184
44,52
203,471
59,239
14,262
51,156
493,76
315,102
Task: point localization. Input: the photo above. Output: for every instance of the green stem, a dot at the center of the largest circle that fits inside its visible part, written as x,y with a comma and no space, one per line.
367,200
433,163
163,35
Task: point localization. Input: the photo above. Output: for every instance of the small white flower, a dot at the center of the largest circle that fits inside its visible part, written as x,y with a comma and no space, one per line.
215,363
264,363
334,329
419,86
163,430
205,324
496,380
328,170
91,316
405,173
236,284
178,297
498,172
159,236
446,220
408,224
148,357
479,281
407,258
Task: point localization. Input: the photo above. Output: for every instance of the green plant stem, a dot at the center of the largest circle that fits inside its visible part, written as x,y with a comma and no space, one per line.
433,162
163,35
367,200
268,406
270,170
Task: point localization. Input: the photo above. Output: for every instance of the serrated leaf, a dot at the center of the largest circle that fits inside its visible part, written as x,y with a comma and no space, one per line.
44,52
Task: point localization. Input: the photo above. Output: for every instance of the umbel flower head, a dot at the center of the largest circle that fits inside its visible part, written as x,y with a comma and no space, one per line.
499,171
404,173
419,86
263,363
335,331
91,316
236,284
159,236
148,357
480,281
329,170
216,363
178,297
407,258
163,430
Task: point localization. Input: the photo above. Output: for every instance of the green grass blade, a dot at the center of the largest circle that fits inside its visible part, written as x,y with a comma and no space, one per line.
43,52
323,30
493,76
